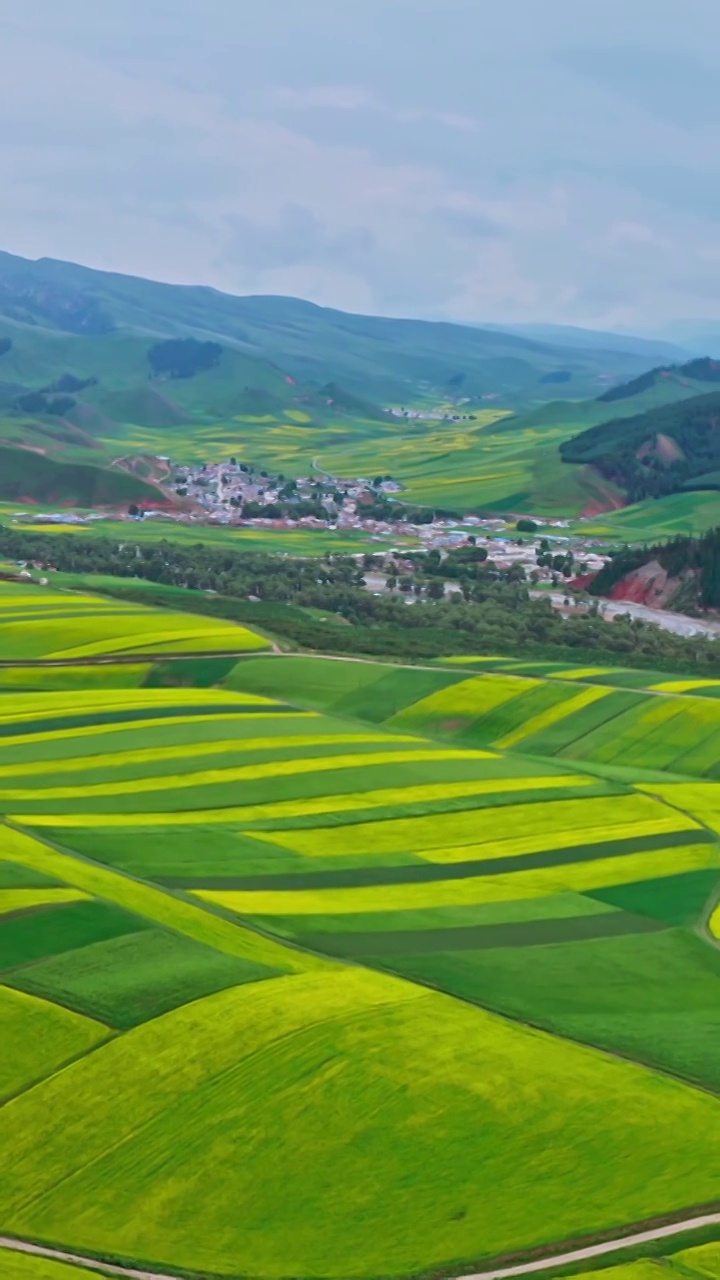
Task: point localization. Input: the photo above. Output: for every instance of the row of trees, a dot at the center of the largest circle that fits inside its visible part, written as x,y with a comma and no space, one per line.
492,613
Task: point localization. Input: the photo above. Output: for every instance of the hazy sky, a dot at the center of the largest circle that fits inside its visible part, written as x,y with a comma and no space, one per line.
467,159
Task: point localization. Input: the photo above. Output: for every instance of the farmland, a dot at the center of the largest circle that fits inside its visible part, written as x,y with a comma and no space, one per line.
355,965
611,719
42,623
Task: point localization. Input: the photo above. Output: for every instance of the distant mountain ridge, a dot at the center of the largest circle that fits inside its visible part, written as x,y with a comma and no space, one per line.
596,339
381,359
97,366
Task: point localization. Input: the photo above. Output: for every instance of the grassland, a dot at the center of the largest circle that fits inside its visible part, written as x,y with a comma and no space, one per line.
355,965
655,519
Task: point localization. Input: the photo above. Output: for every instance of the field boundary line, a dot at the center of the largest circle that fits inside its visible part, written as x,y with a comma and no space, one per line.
583,1254
702,926
598,1250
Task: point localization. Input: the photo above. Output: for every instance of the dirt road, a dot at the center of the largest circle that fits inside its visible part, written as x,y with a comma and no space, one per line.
585,1254
598,1250
675,622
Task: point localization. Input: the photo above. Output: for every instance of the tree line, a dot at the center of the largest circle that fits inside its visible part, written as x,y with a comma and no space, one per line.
492,612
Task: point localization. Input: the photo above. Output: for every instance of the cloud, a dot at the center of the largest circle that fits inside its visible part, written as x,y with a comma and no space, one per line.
423,158
297,237
338,97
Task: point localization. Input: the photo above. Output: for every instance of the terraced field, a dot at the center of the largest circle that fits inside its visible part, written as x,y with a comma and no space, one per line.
617,677
39,622
626,725
338,969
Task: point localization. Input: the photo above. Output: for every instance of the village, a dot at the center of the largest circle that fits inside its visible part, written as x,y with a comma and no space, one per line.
238,495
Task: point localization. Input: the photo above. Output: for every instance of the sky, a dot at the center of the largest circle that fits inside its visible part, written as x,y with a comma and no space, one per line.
470,160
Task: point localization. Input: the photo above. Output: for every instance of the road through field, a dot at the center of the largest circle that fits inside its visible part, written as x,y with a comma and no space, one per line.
585,1254
678,623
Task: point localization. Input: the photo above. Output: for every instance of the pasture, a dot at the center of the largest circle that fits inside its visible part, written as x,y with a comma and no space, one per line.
353,965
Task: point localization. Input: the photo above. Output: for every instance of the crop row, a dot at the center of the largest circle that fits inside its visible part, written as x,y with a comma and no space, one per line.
38,622
188,872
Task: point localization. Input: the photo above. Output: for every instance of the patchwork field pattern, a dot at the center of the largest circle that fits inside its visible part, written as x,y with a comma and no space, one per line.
353,985
617,677
609,719
38,622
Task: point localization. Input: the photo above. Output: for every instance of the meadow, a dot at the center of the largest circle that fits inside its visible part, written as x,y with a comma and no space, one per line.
677,514
326,969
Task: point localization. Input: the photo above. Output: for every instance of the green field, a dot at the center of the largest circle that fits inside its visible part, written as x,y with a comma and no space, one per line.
18,1266
322,968
655,519
700,1261
298,542
40,622
611,719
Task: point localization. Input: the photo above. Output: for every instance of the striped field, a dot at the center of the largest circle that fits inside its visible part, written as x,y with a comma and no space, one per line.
626,731
39,622
341,969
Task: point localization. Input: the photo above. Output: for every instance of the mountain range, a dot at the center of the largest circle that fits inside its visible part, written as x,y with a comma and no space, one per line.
99,369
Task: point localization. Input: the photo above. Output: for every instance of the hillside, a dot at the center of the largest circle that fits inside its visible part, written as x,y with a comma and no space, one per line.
380,359
683,573
651,349
95,366
29,477
662,451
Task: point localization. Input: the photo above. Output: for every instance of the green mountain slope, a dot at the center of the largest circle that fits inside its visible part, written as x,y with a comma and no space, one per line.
94,366
378,358
661,451
27,476
651,349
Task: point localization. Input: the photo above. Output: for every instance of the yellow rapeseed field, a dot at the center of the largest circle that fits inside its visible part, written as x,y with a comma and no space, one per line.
553,715
23,899
585,820
242,773
576,877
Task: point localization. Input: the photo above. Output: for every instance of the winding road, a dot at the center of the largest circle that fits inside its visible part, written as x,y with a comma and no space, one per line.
584,1254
